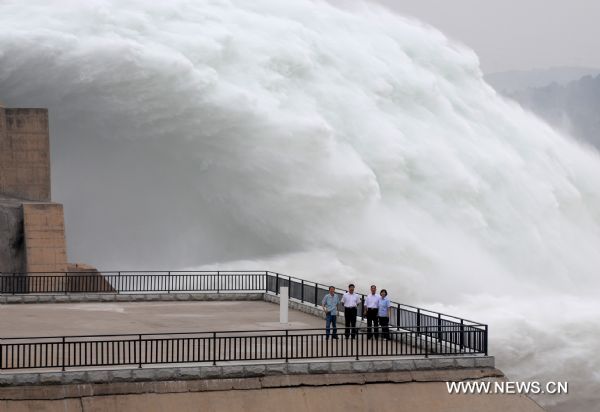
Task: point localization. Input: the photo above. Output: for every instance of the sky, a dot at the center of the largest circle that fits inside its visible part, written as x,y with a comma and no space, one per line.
516,34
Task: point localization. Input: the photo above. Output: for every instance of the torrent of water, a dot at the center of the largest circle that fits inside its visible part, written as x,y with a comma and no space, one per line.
333,143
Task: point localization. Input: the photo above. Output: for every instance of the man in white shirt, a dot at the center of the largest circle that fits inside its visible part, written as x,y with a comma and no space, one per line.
350,301
371,312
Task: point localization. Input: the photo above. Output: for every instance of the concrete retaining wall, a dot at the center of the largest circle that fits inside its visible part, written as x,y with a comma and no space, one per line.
301,307
165,297
310,309
112,297
398,392
237,371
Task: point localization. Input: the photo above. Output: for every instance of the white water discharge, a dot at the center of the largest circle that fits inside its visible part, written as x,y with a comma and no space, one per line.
335,144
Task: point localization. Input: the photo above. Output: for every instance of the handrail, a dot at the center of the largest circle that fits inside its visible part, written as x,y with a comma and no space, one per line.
402,305
212,347
261,331
420,313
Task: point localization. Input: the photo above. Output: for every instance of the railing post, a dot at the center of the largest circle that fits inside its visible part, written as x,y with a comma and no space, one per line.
426,348
287,345
169,282
302,291
119,285
277,283
65,282
63,352
398,318
316,294
418,321
214,349
266,282
218,281
357,336
485,340
14,283
439,328
461,339
140,350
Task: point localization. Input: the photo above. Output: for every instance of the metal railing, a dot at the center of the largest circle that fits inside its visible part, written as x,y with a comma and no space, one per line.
457,332
225,346
132,282
407,317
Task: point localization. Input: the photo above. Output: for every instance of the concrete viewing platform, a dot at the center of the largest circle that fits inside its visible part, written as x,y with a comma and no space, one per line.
246,332
224,348
413,383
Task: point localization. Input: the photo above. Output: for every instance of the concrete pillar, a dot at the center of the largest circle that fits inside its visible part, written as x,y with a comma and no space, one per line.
284,297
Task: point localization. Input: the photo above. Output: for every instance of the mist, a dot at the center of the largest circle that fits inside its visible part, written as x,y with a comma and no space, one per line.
332,144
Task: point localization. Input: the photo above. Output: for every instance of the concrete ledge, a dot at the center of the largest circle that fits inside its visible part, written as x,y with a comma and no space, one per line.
301,307
231,371
309,309
145,297
178,384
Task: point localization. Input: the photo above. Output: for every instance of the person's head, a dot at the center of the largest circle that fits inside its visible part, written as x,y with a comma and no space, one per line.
373,289
331,290
383,293
351,288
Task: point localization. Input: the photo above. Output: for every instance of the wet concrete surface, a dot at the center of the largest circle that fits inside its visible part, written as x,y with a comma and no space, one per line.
32,320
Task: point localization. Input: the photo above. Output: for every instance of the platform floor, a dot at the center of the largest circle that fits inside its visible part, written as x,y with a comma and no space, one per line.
33,320
192,320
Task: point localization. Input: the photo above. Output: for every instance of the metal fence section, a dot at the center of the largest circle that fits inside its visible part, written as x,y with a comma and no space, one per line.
429,326
226,346
451,329
132,282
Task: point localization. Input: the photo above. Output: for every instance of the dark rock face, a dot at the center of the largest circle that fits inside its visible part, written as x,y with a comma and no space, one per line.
12,250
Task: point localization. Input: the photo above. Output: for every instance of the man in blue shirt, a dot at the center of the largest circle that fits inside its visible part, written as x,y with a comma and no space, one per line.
330,302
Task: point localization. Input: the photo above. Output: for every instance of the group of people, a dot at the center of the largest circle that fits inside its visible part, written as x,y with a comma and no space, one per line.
376,309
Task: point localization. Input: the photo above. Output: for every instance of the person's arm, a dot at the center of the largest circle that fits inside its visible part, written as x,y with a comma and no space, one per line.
324,303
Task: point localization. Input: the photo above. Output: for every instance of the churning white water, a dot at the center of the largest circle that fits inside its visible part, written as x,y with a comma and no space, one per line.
335,144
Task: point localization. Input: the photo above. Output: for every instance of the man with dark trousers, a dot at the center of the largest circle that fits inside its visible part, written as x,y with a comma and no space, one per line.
371,312
330,303
350,301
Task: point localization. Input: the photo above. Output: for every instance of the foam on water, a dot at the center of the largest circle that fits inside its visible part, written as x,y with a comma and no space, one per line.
336,144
